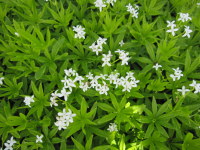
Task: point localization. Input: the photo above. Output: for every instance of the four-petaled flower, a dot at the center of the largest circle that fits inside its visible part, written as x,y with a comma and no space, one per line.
39,138
183,90
156,66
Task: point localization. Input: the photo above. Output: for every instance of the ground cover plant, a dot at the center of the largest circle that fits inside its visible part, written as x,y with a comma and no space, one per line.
100,74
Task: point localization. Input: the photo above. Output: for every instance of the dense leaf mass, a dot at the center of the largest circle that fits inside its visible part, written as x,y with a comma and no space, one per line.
100,74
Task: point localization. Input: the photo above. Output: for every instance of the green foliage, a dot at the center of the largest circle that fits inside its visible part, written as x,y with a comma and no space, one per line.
39,46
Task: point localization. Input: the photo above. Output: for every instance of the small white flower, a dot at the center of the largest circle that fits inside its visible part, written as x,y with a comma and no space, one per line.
100,4
121,43
187,31
80,33
39,138
1,80
106,59
84,86
65,94
112,127
28,100
70,72
64,119
101,41
172,31
193,84
183,90
184,17
90,76
9,144
17,34
156,66
132,10
197,89
171,24
177,74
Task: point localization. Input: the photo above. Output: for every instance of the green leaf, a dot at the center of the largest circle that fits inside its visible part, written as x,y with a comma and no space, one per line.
106,118
187,61
40,72
88,145
57,46
114,101
78,145
150,130
154,106
105,107
122,145
150,50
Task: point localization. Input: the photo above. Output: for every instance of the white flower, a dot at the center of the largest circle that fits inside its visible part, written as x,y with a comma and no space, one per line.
183,90
17,34
65,94
184,17
111,2
198,4
193,84
106,59
101,41
39,138
9,144
177,74
103,89
172,30
84,86
60,123
96,48
68,83
187,31
80,33
100,4
78,78
1,80
157,66
90,76
133,11
112,127
53,101
70,72
197,89
64,119
171,24
123,56
28,100
121,43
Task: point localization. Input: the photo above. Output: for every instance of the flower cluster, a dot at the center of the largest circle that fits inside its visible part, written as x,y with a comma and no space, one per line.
133,10
101,4
172,27
194,84
9,144
28,100
123,56
177,74
80,33
183,17
64,119
99,46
